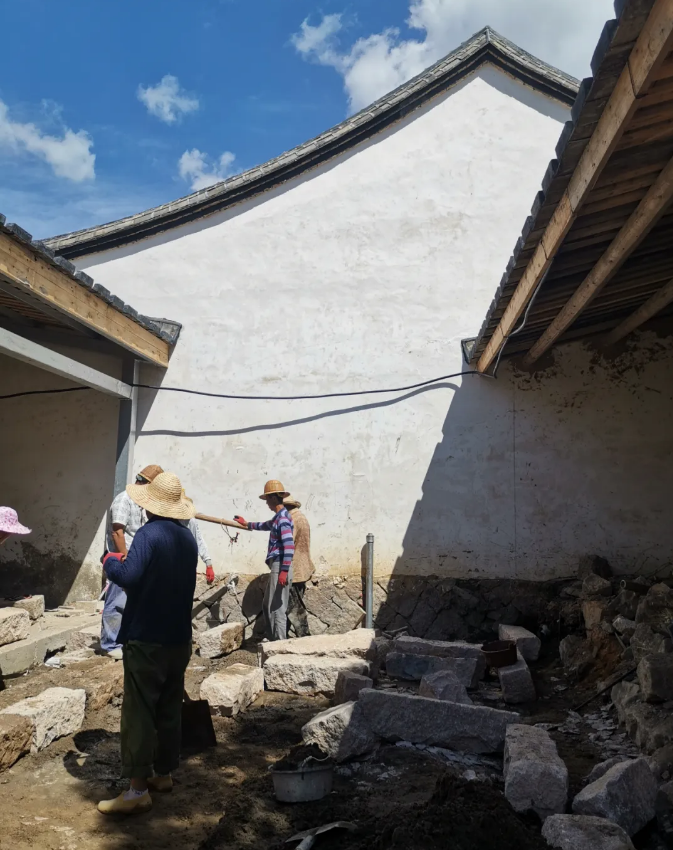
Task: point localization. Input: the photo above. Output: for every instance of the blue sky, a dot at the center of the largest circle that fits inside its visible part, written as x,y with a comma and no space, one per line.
109,108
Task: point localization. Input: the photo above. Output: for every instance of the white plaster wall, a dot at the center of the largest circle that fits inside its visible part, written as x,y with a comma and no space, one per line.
363,274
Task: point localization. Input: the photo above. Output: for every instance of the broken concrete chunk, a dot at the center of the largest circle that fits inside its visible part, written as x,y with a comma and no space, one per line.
342,732
54,713
594,585
306,674
403,717
601,769
655,676
221,640
233,689
624,627
359,643
536,779
576,656
656,609
645,641
16,733
516,683
579,832
444,685
34,605
14,625
348,686
624,795
527,643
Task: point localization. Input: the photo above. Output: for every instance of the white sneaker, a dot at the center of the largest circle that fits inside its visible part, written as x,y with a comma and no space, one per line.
117,654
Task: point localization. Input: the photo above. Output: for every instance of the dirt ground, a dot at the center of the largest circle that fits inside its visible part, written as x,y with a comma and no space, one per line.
402,796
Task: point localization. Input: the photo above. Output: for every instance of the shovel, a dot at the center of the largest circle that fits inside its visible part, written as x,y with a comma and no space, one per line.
197,724
307,839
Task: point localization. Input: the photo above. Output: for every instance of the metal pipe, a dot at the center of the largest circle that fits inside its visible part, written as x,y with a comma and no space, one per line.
369,583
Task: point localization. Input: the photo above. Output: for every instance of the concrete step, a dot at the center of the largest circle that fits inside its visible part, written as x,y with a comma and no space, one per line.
49,634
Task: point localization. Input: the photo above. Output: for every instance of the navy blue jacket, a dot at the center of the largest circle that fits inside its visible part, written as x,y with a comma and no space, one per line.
159,576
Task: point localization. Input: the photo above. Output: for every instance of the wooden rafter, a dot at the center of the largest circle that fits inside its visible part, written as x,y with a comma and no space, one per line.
650,308
29,274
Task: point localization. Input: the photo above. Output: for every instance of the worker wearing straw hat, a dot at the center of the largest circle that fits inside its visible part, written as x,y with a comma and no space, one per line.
9,524
278,558
302,568
159,575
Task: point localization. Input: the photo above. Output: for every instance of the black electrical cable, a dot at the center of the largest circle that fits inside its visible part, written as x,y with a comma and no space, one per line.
44,392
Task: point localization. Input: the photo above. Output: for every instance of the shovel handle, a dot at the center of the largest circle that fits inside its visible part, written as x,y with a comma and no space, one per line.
218,521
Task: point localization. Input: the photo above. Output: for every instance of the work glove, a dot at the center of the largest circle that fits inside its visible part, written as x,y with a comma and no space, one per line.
117,555
283,577
210,574
241,521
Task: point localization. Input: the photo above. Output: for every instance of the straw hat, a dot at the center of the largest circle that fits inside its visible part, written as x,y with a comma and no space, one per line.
274,488
150,472
9,522
162,497
292,503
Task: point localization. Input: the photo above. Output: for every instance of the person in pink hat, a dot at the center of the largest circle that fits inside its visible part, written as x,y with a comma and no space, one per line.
9,524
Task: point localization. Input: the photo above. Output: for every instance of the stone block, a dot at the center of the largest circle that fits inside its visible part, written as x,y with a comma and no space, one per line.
645,641
84,638
233,689
342,732
444,685
661,763
103,684
624,627
527,643
578,832
655,609
54,713
601,769
359,643
308,674
593,611
594,585
624,795
14,625
221,640
536,779
402,665
624,695
440,648
403,717
349,685
576,656
16,733
625,604
516,683
34,605
655,677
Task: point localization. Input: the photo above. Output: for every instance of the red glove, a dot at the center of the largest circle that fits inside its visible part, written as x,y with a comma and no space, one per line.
117,555
210,574
283,576
241,521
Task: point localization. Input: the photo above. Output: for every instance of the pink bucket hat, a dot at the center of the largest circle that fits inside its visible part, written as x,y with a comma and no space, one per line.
9,522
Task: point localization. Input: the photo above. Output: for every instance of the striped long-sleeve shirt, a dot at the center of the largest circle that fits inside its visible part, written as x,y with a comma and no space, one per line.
281,538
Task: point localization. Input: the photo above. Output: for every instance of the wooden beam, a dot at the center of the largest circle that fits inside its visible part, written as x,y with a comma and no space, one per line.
636,228
30,352
650,308
29,273
647,56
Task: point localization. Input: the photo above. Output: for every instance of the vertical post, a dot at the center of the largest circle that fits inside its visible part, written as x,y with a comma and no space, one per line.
126,428
369,583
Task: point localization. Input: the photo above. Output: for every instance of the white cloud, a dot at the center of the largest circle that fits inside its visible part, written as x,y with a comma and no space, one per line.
195,167
167,100
68,154
564,34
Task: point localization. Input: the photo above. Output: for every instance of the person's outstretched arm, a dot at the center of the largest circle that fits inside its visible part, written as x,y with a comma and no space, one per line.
129,572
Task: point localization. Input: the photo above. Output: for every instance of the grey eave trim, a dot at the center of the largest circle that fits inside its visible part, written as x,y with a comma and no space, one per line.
486,47
163,329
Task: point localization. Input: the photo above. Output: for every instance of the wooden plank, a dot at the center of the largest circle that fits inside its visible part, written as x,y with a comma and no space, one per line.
654,43
31,274
636,228
649,309
44,358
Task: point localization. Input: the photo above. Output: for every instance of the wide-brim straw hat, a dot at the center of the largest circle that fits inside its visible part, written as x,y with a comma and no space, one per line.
163,497
150,472
9,522
291,503
274,488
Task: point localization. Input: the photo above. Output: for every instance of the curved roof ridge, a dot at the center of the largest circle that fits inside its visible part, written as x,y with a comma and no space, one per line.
485,46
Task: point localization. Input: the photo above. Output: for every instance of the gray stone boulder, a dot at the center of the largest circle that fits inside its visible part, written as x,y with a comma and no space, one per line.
444,685
576,656
645,641
624,695
467,728
594,585
655,677
578,832
625,604
14,625
624,795
310,675
342,732
527,643
348,686
601,769
656,609
624,627
55,713
661,763
233,689
516,683
536,779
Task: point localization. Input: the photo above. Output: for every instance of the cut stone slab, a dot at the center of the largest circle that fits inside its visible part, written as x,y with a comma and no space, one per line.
349,685
441,648
16,733
342,732
311,675
33,604
14,625
233,689
221,640
536,778
527,643
625,795
516,683
579,832
444,685
359,643
48,635
411,667
655,676
54,713
87,638
467,728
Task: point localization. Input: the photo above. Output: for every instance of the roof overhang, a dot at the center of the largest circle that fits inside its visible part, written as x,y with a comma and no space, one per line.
596,253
